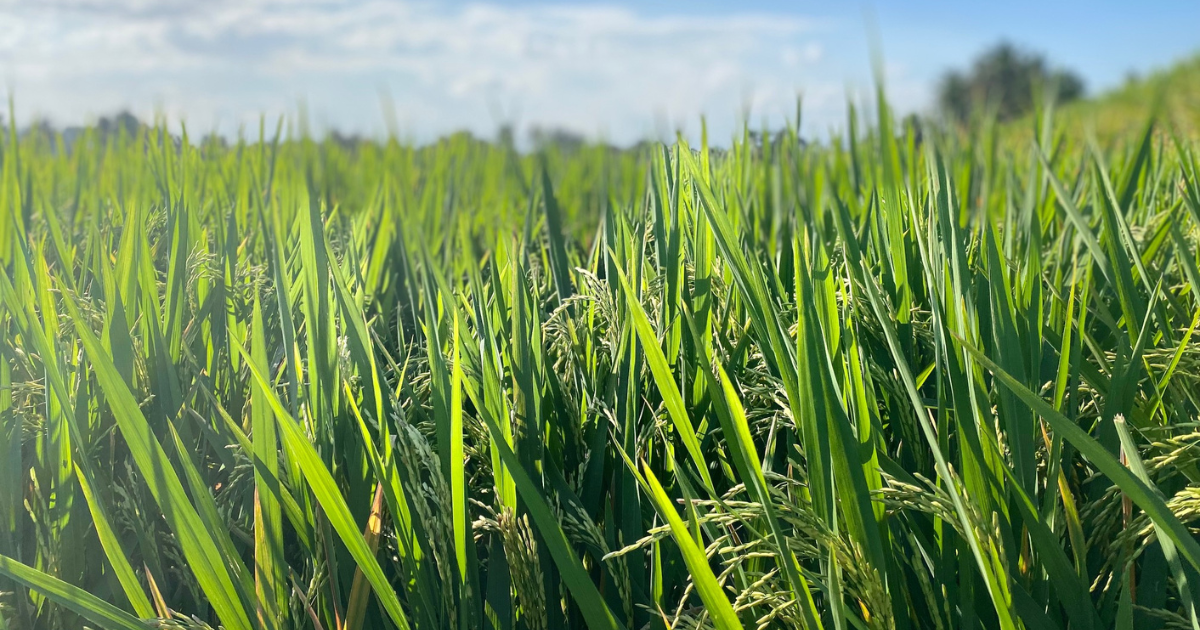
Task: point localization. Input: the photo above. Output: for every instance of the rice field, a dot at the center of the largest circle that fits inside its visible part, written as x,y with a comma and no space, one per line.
901,378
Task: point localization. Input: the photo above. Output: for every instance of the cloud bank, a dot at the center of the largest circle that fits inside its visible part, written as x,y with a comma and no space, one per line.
598,69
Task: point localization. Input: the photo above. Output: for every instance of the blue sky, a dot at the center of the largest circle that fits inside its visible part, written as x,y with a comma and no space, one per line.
617,69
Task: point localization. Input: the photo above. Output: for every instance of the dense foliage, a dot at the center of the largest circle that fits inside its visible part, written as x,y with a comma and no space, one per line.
871,383
1004,81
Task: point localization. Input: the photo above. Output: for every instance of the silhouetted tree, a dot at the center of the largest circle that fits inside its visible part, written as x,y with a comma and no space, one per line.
1004,78
564,139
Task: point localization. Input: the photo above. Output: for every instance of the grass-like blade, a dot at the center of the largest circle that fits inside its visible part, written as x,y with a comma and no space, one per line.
202,552
325,489
72,597
1134,488
672,398
715,601
596,613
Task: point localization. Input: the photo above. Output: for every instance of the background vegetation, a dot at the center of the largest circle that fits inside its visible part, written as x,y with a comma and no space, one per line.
1004,82
871,383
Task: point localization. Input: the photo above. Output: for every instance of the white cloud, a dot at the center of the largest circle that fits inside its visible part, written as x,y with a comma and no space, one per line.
586,67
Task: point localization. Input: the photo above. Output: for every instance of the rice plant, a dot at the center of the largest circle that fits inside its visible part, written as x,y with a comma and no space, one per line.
898,379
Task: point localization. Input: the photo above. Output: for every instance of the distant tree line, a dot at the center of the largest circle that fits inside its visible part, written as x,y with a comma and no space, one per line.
1004,80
